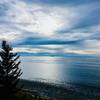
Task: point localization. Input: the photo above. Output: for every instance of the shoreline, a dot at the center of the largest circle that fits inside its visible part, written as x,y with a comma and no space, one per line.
57,91
67,85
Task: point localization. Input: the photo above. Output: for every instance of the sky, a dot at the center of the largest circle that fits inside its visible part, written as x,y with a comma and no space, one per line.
51,27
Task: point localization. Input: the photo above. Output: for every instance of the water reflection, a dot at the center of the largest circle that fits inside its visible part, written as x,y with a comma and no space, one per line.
76,70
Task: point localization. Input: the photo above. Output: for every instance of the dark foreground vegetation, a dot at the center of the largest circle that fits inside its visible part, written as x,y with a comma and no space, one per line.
10,89
60,92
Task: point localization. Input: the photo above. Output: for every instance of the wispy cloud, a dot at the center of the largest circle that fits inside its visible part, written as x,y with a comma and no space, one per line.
51,26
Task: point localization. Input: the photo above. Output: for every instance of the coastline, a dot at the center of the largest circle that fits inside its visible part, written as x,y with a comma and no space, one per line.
60,92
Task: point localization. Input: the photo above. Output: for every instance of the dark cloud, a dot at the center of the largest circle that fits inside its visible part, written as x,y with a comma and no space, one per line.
39,41
61,2
90,20
3,9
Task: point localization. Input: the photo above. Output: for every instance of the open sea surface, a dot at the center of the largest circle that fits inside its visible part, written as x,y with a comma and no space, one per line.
83,70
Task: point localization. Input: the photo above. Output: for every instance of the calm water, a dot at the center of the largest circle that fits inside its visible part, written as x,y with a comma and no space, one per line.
82,70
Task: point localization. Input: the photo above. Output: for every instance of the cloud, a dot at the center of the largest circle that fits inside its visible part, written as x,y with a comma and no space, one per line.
51,28
61,2
34,19
92,44
40,19
8,36
34,50
61,51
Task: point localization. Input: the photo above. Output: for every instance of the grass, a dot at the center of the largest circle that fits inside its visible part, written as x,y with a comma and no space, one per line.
23,95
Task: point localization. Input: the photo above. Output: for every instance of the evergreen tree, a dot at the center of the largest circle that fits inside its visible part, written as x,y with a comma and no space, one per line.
9,70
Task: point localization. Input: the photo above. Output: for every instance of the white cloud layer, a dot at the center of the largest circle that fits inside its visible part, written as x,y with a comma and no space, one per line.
36,18
22,21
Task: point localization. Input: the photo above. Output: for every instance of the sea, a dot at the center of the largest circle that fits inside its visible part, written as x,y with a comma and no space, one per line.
83,70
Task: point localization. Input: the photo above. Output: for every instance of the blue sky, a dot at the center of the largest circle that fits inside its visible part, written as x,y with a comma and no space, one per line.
51,27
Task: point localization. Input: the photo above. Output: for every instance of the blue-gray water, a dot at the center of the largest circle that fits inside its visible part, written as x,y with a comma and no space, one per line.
81,70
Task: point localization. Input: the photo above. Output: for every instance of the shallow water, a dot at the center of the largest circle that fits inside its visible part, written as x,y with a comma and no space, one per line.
78,70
